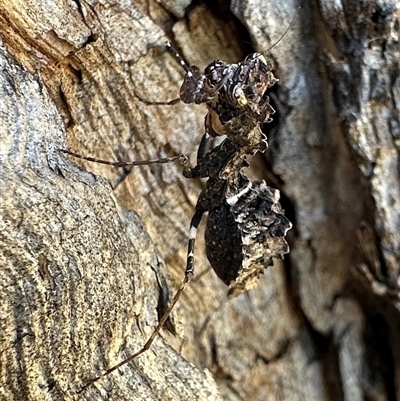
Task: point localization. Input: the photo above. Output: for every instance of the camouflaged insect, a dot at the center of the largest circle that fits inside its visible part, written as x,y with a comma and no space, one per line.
246,227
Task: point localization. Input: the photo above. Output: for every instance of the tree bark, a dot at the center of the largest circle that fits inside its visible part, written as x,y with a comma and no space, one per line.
88,267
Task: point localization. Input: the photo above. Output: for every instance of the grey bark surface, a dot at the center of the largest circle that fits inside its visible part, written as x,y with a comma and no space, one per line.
86,267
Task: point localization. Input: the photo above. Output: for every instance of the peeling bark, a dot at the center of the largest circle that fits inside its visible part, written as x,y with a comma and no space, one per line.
86,267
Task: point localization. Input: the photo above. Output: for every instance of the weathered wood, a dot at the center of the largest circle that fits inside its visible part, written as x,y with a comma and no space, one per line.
81,280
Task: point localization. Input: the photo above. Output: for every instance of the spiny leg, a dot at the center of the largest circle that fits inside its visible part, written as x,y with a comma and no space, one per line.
183,159
180,59
189,271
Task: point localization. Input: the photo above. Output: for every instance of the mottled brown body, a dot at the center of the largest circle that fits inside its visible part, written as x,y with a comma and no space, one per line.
246,227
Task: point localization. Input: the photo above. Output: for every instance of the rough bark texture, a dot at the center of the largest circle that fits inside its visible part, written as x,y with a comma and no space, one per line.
86,267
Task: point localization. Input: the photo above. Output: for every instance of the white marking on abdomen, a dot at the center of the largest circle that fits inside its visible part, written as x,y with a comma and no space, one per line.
234,198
